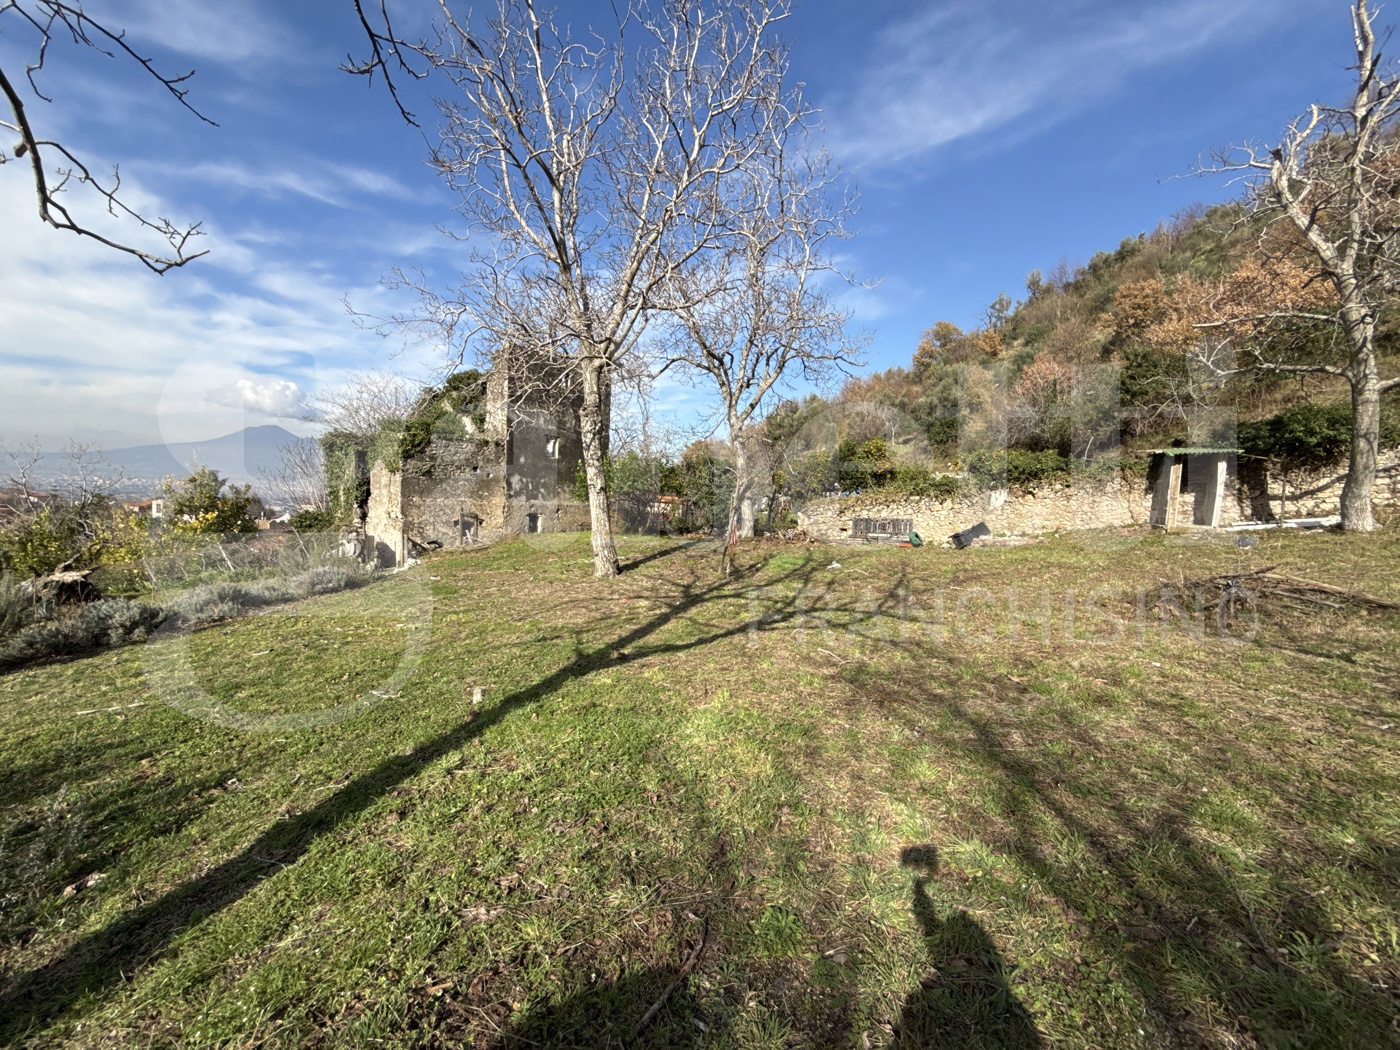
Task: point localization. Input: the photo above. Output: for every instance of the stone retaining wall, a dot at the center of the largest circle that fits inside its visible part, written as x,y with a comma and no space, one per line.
1318,494
1114,503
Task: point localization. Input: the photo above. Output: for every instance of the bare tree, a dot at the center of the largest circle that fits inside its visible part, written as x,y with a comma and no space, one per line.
299,479
752,313
1331,184
80,475
591,168
21,497
365,400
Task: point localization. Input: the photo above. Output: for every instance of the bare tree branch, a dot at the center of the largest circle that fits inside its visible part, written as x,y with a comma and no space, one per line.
388,54
47,18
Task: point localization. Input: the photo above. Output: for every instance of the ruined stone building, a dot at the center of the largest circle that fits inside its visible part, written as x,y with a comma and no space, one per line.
509,468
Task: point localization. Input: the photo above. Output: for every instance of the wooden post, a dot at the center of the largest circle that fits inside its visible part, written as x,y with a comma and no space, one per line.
1165,495
1209,515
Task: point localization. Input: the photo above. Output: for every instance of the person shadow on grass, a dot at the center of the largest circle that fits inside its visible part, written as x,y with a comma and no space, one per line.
965,1001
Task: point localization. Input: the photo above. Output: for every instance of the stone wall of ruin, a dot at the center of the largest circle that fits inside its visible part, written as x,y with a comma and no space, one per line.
384,534
454,491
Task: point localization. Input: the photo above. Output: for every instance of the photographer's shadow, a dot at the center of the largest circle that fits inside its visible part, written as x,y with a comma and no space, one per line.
965,1000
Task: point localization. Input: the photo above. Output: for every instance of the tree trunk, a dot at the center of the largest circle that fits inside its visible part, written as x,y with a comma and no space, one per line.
734,523
743,489
594,423
1365,439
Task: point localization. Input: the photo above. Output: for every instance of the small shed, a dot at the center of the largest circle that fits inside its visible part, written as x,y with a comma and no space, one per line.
1201,474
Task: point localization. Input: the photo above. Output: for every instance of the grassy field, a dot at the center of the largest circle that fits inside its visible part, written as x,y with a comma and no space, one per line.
924,798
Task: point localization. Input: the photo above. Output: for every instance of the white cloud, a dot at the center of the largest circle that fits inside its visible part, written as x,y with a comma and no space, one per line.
92,345
278,398
966,68
233,34
333,184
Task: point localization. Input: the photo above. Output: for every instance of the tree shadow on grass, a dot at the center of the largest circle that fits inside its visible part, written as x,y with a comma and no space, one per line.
646,1006
609,1013
965,1000
1156,895
95,963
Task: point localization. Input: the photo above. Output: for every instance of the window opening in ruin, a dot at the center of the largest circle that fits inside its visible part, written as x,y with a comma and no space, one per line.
532,523
551,447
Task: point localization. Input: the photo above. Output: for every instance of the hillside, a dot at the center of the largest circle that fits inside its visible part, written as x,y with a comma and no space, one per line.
1093,360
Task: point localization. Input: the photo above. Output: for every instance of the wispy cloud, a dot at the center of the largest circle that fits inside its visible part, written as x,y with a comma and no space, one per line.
211,30
968,68
93,346
334,184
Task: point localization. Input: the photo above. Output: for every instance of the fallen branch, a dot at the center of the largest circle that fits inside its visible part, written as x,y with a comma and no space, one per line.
670,989
1360,597
1261,583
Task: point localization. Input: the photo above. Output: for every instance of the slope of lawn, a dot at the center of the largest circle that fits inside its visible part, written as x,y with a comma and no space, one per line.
922,798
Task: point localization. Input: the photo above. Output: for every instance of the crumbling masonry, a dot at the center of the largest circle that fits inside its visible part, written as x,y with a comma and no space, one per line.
514,474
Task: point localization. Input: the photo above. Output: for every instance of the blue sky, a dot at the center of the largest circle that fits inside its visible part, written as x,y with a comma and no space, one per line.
987,141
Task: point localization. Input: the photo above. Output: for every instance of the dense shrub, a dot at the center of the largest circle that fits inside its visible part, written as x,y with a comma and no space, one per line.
16,606
1016,468
116,621
40,545
92,531
313,520
221,601
706,479
920,483
206,504
865,465
1310,435
110,622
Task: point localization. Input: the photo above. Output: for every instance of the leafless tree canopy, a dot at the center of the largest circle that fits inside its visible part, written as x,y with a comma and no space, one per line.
753,310
591,169
83,474
299,479
365,400
1327,194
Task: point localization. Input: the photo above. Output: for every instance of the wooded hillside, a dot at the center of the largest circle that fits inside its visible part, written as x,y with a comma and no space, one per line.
1097,362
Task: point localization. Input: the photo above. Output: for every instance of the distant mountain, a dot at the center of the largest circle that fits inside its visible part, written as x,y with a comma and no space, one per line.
241,457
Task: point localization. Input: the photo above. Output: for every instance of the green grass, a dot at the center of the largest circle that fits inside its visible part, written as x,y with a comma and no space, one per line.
898,811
